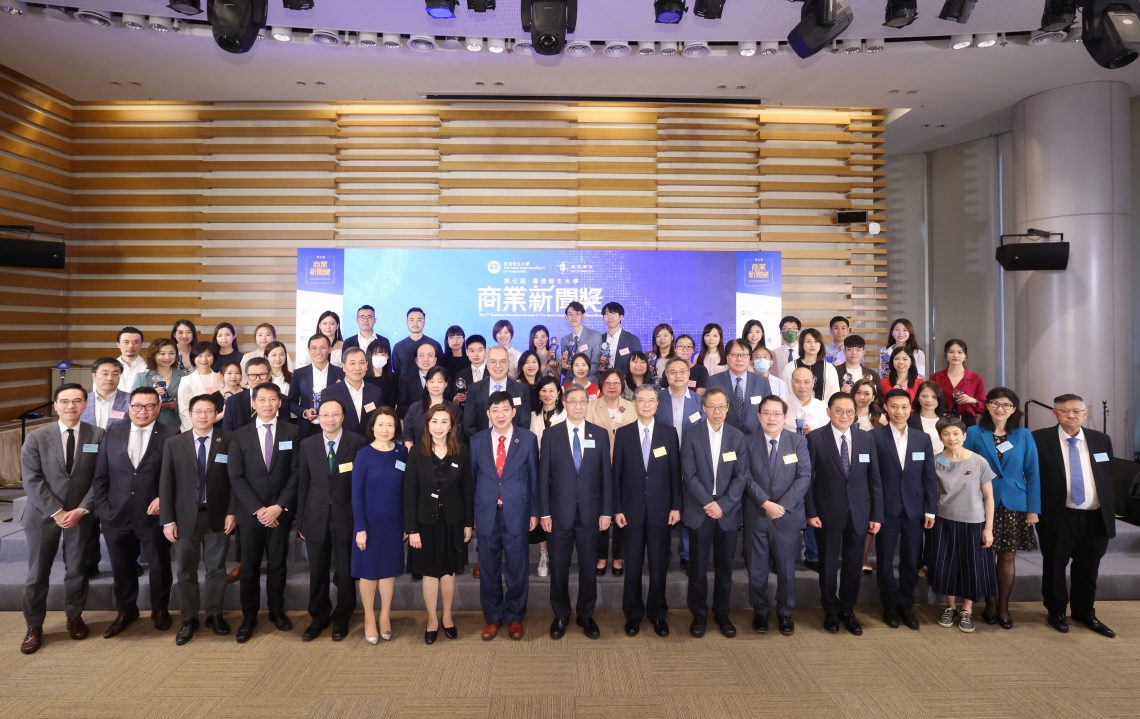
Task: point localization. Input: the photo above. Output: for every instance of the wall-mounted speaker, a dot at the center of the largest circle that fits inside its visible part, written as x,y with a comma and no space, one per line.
37,254
1033,256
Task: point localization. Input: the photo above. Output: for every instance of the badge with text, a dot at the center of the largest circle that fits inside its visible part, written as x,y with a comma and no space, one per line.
370,406
942,462
115,414
756,399
1005,446
90,448
728,457
345,467
659,452
285,445
791,459
623,352
516,400
222,459
918,456
588,443
1100,457
694,417
400,465
864,458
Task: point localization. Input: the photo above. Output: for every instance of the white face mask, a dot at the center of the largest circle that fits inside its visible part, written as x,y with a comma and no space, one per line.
379,361
762,364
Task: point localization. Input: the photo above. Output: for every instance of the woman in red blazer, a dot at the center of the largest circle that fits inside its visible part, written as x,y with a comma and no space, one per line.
965,390
903,373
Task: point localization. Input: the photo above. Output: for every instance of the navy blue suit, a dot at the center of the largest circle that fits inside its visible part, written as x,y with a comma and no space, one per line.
910,491
475,408
665,414
353,422
239,410
755,389
301,395
627,344
503,529
574,500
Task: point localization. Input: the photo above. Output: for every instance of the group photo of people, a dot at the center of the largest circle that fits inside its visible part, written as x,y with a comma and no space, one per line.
200,463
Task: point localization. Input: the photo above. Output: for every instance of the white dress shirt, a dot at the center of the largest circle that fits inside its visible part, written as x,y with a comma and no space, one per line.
325,439
130,370
138,442
715,437
320,378
570,427
102,409
357,397
814,413
900,443
839,442
678,407
477,372
1091,500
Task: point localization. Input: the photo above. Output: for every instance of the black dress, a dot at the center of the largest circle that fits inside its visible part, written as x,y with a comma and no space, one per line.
438,504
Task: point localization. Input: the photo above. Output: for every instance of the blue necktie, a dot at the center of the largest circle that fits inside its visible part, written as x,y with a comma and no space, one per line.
1076,474
577,451
645,447
738,401
772,455
202,469
844,455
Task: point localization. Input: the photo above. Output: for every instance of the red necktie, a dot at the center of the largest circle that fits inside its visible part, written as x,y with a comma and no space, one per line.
501,455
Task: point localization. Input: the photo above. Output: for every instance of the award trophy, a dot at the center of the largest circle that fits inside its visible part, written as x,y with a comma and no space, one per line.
800,425
316,404
161,388
604,359
461,388
552,347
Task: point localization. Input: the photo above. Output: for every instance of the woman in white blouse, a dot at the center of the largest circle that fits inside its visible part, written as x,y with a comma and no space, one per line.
203,380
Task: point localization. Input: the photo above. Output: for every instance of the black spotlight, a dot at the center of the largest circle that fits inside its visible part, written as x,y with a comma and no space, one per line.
901,13
821,21
1058,15
548,21
1110,31
957,10
298,4
709,9
236,22
669,11
480,5
186,7
441,9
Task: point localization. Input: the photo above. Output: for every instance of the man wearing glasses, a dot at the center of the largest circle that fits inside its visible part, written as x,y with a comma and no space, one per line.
580,339
745,389
496,380
125,498
239,406
365,336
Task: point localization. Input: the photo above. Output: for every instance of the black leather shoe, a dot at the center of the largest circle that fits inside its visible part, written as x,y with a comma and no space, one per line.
558,627
451,632
339,631
812,564
313,631
1005,623
1059,622
589,627
787,626
908,619
219,624
161,619
186,632
122,621
989,616
632,628
281,622
851,623
891,618
727,628
685,566
760,623
1097,626
697,628
831,624
661,627
618,571
430,637
601,571
245,630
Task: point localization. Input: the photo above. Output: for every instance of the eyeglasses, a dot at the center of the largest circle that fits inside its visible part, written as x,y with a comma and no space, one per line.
366,317
203,412
771,415
1070,412
843,412
1001,405
143,407
576,402
716,407
737,355
70,402
259,375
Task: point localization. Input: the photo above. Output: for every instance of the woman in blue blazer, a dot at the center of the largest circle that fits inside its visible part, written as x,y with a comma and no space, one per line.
1012,454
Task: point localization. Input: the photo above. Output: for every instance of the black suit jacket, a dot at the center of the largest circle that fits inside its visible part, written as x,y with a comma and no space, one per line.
697,475
456,491
354,422
475,408
409,391
354,341
301,391
121,491
563,492
647,495
253,486
178,481
1054,486
626,341
323,494
787,484
239,410
910,490
835,496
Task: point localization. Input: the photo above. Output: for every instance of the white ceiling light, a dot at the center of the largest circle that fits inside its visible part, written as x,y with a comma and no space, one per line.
392,40
747,48
851,47
523,47
668,48
697,48
12,7
988,39
617,48
579,48
132,21
161,24
769,48
496,45
875,45
961,42
1045,37
474,44
328,38
281,34
422,43
646,48
93,18
367,39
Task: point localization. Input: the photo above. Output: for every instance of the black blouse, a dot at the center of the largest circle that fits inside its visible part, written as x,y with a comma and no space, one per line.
448,478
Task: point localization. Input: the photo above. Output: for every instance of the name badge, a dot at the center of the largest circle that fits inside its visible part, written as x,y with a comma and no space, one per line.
942,462
623,352
583,347
516,401
692,383
1100,457
346,467
728,457
918,456
791,459
115,414
864,458
400,465
453,464
435,495
659,452
1005,446
90,448
370,406
588,443
222,459
695,417
757,399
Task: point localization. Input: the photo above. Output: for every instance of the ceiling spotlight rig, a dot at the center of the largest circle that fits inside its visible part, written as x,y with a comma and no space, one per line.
548,22
821,22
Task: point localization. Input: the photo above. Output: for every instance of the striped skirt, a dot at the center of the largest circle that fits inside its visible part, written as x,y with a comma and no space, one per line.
957,563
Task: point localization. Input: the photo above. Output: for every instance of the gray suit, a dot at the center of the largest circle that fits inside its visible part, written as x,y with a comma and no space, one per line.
785,481
593,341
118,405
50,489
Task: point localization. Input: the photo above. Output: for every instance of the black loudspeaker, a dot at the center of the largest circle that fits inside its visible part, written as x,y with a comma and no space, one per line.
236,22
38,254
847,217
1034,256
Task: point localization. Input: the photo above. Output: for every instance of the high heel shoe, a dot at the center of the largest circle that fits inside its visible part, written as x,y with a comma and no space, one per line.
430,636
386,636
372,639
451,632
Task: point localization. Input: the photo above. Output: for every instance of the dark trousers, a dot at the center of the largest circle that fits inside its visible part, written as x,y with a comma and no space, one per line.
561,543
772,543
259,541
198,545
496,546
641,539
604,543
328,552
1081,538
44,537
92,553
840,551
709,537
906,535
125,545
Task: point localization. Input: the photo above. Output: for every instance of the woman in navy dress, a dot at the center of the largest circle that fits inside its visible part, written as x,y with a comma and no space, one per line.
377,517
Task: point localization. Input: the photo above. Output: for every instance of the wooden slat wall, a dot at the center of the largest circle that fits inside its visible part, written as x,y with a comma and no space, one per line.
195,210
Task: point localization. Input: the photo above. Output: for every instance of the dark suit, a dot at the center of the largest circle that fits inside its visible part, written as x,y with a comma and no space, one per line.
846,503
118,407
201,529
627,344
354,341
646,494
373,397
301,395
1077,535
51,488
475,408
783,479
121,494
239,410
403,357
706,534
324,519
255,486
910,492
503,529
755,388
593,341
574,500
665,414
409,391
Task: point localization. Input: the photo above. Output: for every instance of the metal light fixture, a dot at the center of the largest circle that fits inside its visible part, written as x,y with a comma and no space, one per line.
646,48
474,44
874,45
281,34
496,46
480,5
709,9
367,39
186,7
697,48
987,39
669,12
160,24
617,48
961,42
821,22
441,9
13,7
131,21
957,10
392,40
746,48
901,13
668,48
769,48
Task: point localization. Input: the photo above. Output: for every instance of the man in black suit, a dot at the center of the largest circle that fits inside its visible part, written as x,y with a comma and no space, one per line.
412,380
647,502
1077,513
845,502
714,472
475,409
193,506
779,474
851,369
239,406
617,344
125,498
263,481
475,347
910,500
744,389
359,398
365,339
309,382
324,519
575,502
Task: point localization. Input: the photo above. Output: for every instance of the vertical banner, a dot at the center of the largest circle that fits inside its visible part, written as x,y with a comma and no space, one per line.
320,287
758,287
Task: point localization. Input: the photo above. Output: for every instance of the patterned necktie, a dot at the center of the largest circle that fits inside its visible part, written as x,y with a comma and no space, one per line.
575,348
268,449
645,447
1076,474
69,451
576,450
738,400
844,455
202,469
332,454
790,358
499,388
501,456
772,454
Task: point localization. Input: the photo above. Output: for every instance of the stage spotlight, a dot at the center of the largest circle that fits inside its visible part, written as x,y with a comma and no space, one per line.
901,13
441,9
961,42
646,48
522,47
851,47
297,4
235,23
93,18
480,5
668,48
548,21
186,7
422,43
987,39
579,48
1058,15
1110,31
12,7
696,48
821,21
474,44
327,38
746,48
957,10
709,9
669,11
